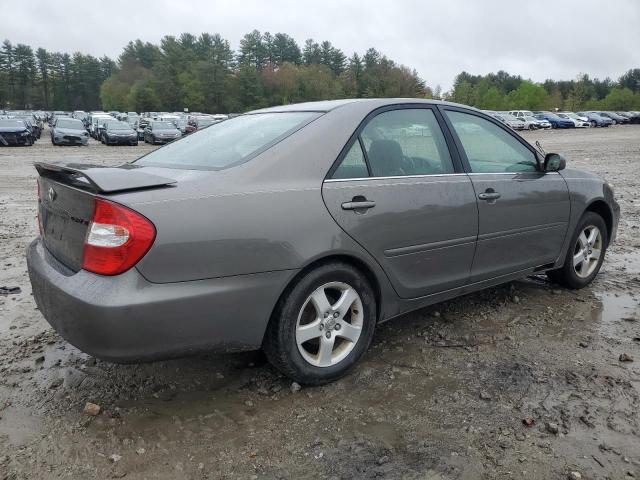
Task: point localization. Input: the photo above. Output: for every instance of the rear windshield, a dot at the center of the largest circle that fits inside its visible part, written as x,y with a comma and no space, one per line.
229,143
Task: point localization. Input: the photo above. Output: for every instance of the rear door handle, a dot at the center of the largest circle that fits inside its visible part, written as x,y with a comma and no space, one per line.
489,196
358,205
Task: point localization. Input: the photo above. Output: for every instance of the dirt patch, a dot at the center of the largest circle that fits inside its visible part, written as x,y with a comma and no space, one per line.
442,394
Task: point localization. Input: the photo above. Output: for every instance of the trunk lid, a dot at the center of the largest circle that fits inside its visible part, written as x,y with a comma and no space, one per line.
66,205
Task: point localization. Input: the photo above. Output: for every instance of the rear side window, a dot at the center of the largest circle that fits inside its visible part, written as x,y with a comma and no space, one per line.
230,142
489,148
406,142
398,143
353,165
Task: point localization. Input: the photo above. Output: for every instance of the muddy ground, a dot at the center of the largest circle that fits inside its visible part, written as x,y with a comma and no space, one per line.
442,393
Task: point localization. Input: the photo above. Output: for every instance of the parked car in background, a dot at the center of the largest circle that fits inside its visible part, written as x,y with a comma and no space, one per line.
32,123
510,120
596,120
161,132
96,119
554,120
281,229
634,117
69,131
578,121
102,126
119,133
521,113
615,118
541,124
14,131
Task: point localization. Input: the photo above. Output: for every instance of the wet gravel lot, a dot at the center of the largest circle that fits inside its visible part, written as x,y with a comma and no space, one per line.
520,381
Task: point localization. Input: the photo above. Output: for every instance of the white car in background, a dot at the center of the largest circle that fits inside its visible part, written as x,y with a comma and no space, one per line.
521,113
540,124
578,121
510,120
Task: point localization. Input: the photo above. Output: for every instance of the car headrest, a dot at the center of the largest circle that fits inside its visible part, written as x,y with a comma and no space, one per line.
385,158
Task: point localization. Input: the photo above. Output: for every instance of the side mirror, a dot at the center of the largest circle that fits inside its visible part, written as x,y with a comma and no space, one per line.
554,162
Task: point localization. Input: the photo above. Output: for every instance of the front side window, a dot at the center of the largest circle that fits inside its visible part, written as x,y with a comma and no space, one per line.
489,148
406,142
229,143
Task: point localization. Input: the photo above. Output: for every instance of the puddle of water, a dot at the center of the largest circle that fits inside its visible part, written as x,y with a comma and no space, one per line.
612,311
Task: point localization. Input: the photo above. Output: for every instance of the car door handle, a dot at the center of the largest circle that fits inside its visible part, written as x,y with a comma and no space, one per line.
489,196
357,204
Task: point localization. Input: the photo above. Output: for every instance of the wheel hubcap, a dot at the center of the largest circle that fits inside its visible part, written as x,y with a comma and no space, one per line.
329,324
587,251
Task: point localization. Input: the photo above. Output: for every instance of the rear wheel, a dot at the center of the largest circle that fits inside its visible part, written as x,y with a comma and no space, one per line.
323,325
585,255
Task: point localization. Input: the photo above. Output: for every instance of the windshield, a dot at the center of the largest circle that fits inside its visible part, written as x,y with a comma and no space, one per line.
74,124
11,123
118,126
163,125
230,142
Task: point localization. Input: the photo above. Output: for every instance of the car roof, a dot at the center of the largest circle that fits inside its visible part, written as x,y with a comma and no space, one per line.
328,105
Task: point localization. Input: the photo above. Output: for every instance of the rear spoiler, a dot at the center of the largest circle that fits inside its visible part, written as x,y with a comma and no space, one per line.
99,179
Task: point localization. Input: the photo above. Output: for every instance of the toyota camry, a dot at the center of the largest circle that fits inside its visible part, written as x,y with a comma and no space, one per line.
298,229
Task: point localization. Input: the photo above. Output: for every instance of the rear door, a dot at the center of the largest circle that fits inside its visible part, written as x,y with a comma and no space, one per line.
400,192
523,211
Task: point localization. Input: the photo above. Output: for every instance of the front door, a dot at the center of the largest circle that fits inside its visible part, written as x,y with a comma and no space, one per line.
523,211
399,192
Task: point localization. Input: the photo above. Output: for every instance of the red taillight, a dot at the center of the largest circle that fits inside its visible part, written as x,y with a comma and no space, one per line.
116,239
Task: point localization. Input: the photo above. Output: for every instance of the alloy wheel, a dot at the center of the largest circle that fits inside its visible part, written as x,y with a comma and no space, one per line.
587,251
329,324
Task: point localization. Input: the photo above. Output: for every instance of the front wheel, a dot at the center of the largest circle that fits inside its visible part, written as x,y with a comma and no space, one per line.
585,255
593,123
323,325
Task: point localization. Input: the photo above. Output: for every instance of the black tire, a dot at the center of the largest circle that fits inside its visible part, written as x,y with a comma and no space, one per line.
153,140
594,124
280,344
553,125
566,275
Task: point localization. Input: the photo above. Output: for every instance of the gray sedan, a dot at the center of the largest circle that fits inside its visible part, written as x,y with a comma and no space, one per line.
161,132
69,131
297,229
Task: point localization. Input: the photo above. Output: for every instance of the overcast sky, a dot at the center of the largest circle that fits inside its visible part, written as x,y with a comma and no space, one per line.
537,39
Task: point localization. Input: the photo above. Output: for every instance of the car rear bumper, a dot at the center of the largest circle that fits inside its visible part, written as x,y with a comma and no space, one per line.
126,318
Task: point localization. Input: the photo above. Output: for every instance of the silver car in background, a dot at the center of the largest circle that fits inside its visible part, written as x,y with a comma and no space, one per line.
69,131
297,229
